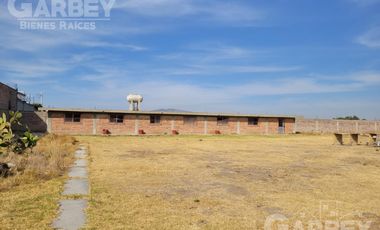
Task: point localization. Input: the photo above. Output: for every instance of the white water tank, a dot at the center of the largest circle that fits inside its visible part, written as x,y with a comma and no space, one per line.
134,101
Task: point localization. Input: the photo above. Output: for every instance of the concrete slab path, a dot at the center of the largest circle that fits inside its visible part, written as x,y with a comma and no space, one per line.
71,213
76,187
72,216
78,172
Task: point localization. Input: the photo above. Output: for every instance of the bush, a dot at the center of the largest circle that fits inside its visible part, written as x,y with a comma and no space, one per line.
29,157
51,157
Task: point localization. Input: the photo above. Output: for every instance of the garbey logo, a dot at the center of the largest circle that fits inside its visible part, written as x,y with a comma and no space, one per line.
60,14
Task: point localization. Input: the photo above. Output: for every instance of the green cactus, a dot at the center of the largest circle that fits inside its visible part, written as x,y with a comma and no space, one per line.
7,137
29,140
6,133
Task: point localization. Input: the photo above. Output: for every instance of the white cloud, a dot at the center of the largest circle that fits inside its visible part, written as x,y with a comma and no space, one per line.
192,96
259,69
215,70
371,38
94,44
209,52
365,2
211,10
367,77
157,7
215,59
250,97
32,69
38,41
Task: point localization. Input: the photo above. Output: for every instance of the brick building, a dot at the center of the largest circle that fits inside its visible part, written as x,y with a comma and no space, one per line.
13,100
121,122
8,98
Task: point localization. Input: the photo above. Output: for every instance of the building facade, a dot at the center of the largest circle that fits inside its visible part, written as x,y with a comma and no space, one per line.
8,98
13,100
98,122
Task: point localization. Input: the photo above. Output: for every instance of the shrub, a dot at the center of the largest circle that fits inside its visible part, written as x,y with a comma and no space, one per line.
48,158
51,157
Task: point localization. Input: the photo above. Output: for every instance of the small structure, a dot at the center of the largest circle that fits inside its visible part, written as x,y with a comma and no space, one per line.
134,102
338,138
353,136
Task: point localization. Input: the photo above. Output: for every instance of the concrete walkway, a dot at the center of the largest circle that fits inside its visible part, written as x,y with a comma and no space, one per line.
71,213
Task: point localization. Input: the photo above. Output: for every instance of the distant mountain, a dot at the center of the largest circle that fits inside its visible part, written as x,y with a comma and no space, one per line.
170,110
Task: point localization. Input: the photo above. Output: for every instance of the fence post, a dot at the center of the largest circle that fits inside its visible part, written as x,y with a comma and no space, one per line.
94,123
337,126
137,125
357,126
49,123
316,125
205,126
172,124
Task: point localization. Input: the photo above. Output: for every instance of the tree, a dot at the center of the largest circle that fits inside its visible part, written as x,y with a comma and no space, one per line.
348,118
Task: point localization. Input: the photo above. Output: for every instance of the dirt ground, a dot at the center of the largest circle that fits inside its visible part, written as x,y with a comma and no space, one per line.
231,182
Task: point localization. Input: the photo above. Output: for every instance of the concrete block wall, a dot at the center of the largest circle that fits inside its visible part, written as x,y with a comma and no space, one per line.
336,126
35,121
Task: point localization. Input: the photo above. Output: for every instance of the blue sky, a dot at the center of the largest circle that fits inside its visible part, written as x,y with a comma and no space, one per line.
310,58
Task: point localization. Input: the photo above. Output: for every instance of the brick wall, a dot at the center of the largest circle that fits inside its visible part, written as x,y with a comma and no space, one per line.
8,98
336,126
58,125
198,127
91,124
102,121
95,123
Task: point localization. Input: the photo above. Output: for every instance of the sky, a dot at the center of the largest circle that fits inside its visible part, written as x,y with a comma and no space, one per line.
318,59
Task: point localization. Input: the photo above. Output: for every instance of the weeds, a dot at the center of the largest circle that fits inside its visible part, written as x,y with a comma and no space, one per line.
50,158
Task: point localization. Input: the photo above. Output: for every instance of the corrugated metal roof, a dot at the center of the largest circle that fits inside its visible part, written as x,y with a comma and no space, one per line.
162,113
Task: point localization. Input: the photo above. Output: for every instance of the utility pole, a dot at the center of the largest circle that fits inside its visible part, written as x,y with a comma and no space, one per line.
41,95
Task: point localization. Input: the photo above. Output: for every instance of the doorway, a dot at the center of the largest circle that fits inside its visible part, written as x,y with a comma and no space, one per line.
281,126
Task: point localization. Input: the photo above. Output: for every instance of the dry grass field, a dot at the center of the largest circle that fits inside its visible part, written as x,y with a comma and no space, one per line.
228,182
